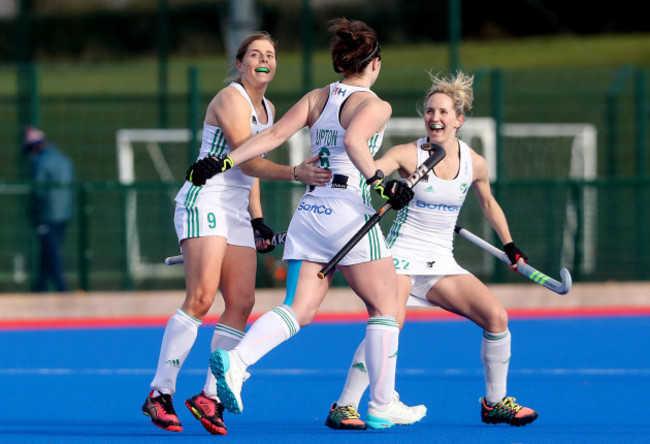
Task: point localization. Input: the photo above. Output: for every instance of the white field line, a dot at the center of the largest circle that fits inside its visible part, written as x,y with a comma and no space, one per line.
302,371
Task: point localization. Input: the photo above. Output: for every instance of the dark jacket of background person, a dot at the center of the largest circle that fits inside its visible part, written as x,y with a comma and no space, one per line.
50,206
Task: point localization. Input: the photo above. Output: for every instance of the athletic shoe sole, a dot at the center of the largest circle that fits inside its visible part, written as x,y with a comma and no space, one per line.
377,423
219,366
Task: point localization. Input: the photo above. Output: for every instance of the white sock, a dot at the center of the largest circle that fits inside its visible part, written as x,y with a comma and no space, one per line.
357,380
382,338
270,330
179,337
224,338
495,354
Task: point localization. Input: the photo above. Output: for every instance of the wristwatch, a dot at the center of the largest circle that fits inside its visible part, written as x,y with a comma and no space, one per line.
379,175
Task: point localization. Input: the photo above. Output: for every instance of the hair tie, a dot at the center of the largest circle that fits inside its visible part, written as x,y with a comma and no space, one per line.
372,54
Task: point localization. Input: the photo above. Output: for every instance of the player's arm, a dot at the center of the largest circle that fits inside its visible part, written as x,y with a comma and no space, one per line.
272,137
232,113
489,206
263,233
363,121
401,158
492,210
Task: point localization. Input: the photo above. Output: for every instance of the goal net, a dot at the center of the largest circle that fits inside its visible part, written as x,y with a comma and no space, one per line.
151,155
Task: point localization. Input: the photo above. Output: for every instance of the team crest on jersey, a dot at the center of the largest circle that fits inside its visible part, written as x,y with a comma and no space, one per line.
254,120
339,91
463,188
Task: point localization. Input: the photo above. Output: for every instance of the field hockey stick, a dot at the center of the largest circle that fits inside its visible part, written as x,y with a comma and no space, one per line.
437,154
522,267
278,239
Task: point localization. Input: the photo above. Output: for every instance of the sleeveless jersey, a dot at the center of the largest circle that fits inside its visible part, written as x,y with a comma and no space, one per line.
421,238
326,136
327,217
213,143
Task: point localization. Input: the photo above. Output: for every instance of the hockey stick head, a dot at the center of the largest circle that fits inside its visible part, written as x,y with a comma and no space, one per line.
567,282
436,154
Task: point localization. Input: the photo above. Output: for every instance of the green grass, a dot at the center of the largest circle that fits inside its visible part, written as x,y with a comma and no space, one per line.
404,66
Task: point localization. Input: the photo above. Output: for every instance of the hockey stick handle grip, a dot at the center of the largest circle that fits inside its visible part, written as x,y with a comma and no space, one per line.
437,153
278,239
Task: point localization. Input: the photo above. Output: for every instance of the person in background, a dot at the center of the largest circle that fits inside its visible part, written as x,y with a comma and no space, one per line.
50,206
421,241
217,224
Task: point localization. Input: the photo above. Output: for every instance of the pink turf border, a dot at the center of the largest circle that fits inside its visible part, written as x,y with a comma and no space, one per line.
324,317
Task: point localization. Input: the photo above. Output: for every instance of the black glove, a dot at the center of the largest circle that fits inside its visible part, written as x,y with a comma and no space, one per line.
396,192
514,253
263,231
203,169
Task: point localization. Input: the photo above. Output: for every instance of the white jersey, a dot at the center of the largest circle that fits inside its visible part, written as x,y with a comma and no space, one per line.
220,207
327,135
421,238
327,217
213,143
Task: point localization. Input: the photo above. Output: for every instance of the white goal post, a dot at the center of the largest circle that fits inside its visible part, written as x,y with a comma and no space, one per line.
127,140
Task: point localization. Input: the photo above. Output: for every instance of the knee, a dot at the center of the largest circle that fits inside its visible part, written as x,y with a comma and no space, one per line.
304,315
241,304
198,302
497,320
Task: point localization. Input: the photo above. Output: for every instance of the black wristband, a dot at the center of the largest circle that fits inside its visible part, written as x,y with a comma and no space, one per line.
379,175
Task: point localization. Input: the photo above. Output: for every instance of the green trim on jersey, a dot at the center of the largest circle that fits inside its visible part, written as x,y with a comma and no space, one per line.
400,220
192,212
372,144
218,144
373,242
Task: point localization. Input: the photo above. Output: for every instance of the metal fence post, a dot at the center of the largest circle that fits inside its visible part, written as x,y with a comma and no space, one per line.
194,102
83,211
163,63
306,29
611,117
641,146
455,34
497,94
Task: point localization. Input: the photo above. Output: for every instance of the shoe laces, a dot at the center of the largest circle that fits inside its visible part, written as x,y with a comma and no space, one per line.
166,401
348,412
508,405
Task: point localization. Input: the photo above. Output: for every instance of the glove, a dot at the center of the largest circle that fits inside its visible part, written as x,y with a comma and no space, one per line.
203,169
514,253
262,231
396,192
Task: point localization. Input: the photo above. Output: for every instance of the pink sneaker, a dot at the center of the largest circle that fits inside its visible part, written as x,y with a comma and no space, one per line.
507,411
209,412
161,411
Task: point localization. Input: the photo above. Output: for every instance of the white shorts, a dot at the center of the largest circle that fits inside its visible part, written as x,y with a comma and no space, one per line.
420,286
216,213
321,226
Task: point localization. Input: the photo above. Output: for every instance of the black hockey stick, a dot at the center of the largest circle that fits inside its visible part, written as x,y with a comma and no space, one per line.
523,268
277,239
437,154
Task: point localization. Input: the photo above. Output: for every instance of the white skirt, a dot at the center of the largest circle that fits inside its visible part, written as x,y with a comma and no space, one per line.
214,213
321,226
